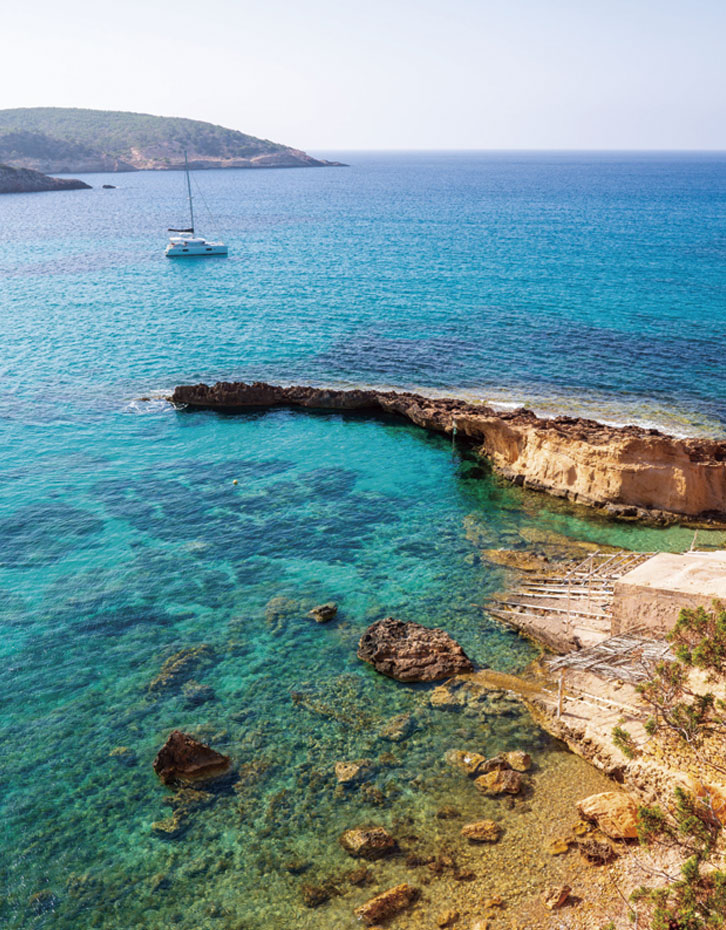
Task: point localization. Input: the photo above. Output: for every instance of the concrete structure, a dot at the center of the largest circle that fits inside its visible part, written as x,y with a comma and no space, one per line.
648,599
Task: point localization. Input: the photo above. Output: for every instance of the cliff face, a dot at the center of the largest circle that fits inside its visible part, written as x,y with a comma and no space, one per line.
628,471
25,181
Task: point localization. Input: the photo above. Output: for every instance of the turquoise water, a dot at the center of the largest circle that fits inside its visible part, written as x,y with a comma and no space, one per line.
595,283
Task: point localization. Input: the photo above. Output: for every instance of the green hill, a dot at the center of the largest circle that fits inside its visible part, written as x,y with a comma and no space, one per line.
65,140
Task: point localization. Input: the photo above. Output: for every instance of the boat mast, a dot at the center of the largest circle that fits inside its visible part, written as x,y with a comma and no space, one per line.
189,189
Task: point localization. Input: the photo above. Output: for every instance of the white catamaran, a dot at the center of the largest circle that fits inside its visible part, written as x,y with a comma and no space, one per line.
185,243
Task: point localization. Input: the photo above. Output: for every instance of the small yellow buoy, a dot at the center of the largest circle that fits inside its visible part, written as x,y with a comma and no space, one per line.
235,481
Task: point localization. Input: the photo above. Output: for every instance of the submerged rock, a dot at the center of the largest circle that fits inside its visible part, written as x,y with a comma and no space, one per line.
368,842
281,608
196,694
468,762
171,827
324,612
182,758
315,895
499,781
615,813
387,904
180,667
558,847
43,901
186,800
518,559
359,876
448,812
447,919
124,755
518,760
352,773
443,698
398,728
482,831
408,651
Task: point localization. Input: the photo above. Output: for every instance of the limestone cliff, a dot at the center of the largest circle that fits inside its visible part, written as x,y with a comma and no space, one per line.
628,471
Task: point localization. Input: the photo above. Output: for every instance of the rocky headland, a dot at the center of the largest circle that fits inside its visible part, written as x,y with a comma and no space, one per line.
628,472
25,181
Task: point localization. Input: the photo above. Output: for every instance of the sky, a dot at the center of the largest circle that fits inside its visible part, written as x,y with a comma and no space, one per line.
387,74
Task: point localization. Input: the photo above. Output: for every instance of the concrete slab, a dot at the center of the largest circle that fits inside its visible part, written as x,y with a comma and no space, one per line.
648,599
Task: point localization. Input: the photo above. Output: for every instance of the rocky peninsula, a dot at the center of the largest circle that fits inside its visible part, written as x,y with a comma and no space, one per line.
627,472
26,181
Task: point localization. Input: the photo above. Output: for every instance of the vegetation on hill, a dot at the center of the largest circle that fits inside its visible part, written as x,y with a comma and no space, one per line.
61,138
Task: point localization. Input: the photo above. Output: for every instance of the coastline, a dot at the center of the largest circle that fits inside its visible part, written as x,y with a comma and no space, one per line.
625,472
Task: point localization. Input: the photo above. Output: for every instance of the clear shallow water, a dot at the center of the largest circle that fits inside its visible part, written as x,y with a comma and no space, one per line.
123,539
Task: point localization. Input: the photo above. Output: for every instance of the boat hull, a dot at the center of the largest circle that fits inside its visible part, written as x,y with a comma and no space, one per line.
194,251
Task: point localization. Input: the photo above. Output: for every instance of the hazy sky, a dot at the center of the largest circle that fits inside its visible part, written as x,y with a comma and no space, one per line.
331,74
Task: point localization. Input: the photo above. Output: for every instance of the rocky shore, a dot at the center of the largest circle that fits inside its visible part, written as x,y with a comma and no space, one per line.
26,181
628,472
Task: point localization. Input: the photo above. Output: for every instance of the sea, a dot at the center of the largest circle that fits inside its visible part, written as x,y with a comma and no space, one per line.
136,537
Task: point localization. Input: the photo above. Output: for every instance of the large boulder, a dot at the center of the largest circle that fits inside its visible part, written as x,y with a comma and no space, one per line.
411,652
368,842
182,758
387,904
615,813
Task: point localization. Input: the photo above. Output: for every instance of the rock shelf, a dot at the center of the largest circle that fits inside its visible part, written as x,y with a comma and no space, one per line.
628,471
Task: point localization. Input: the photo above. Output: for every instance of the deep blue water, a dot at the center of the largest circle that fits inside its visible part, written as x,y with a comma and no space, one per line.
571,282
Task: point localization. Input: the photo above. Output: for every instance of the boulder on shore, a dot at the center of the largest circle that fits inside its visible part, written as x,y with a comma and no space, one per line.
182,758
408,651
615,813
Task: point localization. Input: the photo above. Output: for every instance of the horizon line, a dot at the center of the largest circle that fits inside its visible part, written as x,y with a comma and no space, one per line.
507,150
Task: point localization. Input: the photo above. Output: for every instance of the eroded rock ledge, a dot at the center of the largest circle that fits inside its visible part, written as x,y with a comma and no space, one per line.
628,471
